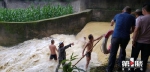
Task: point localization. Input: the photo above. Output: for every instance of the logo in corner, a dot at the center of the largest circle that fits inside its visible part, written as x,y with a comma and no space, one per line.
132,64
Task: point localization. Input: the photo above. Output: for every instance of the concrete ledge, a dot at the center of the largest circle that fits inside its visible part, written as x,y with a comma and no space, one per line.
12,33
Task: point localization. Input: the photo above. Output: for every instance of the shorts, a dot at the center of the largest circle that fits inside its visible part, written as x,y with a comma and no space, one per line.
54,56
88,54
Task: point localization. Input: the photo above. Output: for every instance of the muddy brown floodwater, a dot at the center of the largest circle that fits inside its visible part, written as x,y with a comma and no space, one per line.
33,55
97,29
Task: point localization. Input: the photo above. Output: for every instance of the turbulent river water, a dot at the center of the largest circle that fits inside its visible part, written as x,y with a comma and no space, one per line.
33,55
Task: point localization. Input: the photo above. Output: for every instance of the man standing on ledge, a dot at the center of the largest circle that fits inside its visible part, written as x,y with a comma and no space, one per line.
125,24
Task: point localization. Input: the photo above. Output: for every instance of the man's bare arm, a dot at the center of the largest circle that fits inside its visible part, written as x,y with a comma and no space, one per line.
56,49
135,34
84,49
112,22
132,29
99,37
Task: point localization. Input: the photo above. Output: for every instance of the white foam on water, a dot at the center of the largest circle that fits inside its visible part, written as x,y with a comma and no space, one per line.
33,55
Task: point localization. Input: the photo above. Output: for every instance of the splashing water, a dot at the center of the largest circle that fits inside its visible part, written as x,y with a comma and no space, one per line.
33,55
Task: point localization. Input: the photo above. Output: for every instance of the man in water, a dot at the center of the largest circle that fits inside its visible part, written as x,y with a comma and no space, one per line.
84,42
53,50
89,47
141,37
62,54
125,23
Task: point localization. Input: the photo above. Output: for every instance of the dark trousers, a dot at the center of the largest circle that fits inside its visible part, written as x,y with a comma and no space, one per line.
145,52
115,42
59,63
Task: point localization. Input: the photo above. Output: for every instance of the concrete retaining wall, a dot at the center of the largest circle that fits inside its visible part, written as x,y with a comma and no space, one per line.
12,33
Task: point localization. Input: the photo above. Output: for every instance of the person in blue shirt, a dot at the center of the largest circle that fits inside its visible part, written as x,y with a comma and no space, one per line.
125,24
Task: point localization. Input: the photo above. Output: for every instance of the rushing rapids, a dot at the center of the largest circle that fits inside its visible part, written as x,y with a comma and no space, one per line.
33,55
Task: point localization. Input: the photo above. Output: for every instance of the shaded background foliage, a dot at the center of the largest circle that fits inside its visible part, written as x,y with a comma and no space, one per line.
104,10
115,4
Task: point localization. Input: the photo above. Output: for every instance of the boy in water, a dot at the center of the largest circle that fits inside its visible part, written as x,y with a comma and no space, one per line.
53,50
62,53
84,42
89,46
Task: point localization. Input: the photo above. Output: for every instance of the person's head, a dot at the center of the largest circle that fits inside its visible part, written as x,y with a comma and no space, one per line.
127,9
90,37
138,12
146,9
61,44
52,41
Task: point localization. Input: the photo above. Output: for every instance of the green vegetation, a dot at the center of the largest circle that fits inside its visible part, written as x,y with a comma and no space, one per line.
34,13
69,67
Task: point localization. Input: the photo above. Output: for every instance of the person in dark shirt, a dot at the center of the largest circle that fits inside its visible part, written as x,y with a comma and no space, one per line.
62,54
125,24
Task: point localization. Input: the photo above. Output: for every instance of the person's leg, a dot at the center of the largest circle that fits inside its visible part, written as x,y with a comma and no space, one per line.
51,57
63,63
122,55
88,58
59,63
145,55
135,52
87,62
113,52
55,57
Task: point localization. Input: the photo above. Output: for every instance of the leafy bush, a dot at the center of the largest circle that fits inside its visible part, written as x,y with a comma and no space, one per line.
69,67
34,13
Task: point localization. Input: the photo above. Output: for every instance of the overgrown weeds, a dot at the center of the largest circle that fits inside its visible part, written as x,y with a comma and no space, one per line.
68,67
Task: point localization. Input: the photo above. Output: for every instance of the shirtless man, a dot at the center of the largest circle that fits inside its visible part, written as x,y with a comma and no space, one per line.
89,46
53,50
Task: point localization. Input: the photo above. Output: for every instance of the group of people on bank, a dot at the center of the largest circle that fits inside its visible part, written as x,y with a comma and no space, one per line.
125,24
